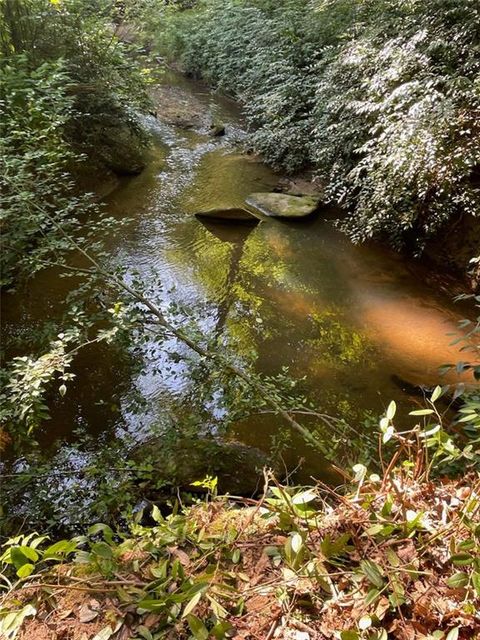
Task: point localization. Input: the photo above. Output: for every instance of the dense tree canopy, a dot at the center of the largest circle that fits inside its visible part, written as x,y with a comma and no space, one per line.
69,93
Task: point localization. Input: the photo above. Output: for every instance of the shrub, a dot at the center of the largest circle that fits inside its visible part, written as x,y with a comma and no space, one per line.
69,91
34,158
381,97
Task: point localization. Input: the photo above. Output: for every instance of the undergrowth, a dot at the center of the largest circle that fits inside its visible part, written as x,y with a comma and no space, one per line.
389,555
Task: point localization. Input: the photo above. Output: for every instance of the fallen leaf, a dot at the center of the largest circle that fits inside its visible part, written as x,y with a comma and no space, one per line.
87,614
65,614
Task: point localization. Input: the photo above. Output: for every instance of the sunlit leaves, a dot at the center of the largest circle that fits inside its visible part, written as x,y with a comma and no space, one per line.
381,98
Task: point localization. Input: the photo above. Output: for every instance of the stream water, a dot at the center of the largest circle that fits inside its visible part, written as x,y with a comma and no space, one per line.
350,320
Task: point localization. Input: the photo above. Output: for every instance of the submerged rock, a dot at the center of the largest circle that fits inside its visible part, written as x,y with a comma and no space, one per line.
224,179
233,214
177,106
238,467
280,205
217,130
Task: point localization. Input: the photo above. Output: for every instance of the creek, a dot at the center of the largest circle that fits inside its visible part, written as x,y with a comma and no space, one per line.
350,322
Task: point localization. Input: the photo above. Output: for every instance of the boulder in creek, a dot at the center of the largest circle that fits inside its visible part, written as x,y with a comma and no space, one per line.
229,214
121,149
280,205
237,466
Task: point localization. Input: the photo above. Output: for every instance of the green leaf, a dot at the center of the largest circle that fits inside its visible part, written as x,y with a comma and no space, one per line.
421,412
60,548
17,558
190,606
388,435
29,552
462,559
217,608
391,410
453,634
373,572
83,557
222,628
101,528
103,550
304,497
466,545
437,392
25,570
297,542
371,596
198,629
393,558
150,604
144,632
156,514
476,582
349,635
458,580
472,417
14,620
103,634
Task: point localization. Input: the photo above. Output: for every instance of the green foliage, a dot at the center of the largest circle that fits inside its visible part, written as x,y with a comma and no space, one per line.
381,97
23,401
69,89
24,553
34,157
446,448
194,571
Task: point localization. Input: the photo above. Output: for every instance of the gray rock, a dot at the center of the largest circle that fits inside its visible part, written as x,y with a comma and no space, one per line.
280,205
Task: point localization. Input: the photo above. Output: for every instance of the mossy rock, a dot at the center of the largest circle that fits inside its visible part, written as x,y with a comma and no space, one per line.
217,130
120,149
238,467
280,205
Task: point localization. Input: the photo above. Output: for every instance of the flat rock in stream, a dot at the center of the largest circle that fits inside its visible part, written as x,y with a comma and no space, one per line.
177,106
233,214
280,205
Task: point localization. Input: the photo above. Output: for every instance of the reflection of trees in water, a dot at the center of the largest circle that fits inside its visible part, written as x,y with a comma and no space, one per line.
272,309
260,289
236,236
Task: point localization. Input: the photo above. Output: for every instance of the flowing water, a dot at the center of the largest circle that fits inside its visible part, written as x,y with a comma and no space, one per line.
350,321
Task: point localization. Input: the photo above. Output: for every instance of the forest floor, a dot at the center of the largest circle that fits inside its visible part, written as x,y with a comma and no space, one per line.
396,558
